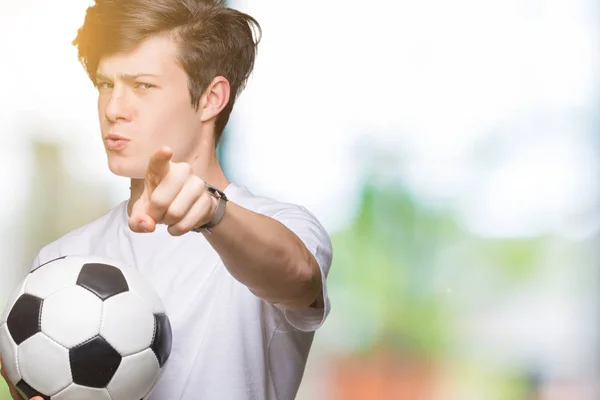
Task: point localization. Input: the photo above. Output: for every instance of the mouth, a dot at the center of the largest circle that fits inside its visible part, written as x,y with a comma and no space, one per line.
115,142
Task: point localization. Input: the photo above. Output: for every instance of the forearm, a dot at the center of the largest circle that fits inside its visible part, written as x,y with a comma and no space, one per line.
264,255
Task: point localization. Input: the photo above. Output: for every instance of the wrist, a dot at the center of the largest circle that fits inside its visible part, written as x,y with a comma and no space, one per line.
219,200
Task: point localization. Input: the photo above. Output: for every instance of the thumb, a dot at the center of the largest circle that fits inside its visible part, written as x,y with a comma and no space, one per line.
139,220
36,398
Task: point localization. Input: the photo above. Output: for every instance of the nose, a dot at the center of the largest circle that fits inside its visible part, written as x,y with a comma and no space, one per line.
118,107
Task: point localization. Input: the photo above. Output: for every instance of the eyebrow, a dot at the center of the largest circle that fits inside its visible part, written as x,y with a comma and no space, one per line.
126,77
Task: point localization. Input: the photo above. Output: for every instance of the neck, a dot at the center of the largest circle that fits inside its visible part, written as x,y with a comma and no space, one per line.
204,164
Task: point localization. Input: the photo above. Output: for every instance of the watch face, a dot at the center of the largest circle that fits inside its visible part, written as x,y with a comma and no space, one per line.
201,230
216,192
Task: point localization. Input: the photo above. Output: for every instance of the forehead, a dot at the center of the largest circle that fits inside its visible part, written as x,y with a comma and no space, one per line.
155,55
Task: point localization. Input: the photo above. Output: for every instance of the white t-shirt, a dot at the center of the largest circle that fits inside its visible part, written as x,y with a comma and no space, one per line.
227,343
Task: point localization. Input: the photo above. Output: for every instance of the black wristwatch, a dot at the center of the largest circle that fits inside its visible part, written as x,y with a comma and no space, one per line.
219,212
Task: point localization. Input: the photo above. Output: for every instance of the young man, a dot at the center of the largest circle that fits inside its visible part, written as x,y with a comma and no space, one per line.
242,277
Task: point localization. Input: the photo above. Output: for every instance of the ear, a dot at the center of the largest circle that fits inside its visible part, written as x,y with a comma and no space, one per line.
214,99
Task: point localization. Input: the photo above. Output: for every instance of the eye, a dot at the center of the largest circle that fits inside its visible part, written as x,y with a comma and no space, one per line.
104,85
143,85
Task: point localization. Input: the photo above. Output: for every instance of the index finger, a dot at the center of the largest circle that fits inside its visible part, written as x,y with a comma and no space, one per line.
158,166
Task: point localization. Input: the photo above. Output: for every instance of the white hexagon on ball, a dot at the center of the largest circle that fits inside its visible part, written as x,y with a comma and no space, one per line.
60,274
135,377
127,323
8,349
139,285
48,374
78,392
71,316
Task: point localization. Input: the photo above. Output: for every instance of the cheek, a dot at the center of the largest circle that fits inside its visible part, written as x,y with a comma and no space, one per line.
170,125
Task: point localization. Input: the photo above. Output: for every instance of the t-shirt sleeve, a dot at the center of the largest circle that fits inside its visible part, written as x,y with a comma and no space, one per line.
45,255
316,239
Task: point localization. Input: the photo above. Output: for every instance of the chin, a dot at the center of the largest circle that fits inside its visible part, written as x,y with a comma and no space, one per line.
126,168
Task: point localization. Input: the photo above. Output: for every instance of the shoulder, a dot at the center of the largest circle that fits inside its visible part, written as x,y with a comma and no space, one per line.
261,204
76,239
295,217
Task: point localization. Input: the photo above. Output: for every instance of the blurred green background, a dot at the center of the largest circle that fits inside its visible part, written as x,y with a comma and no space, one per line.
451,150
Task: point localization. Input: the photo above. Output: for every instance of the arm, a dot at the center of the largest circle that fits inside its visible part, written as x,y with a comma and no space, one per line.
267,257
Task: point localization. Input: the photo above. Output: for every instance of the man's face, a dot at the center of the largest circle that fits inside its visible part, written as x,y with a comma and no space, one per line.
143,104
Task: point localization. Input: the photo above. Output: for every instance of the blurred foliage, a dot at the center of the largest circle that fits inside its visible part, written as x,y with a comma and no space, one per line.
394,264
387,258
4,393
515,257
489,383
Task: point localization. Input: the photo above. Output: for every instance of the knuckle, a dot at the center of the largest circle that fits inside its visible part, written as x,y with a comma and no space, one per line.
198,184
158,201
175,213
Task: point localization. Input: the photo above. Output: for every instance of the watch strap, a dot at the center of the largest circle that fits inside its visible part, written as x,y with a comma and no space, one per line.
219,212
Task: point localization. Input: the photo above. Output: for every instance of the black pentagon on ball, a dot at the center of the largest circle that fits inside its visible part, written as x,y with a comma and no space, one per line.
163,338
47,262
103,280
24,319
28,392
94,363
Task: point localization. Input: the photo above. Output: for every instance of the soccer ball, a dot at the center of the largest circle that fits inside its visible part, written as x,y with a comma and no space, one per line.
85,328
